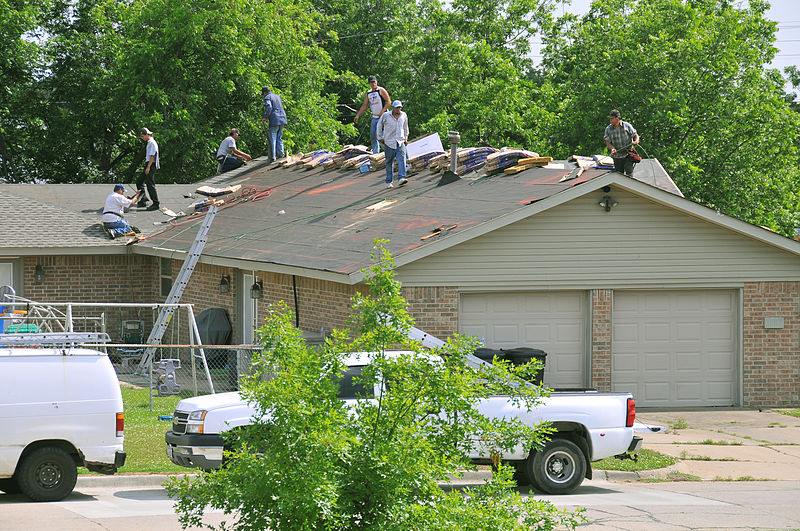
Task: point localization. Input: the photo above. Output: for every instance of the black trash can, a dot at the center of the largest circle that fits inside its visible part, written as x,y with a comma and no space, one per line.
488,354
522,355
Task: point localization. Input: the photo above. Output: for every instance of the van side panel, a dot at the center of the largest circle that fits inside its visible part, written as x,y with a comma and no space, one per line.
73,397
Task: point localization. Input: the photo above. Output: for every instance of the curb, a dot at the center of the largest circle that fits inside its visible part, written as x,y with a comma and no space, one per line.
468,476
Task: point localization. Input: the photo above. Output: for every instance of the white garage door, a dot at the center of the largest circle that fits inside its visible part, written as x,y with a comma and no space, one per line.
675,348
553,321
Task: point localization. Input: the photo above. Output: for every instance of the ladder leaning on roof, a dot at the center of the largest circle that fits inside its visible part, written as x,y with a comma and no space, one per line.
174,297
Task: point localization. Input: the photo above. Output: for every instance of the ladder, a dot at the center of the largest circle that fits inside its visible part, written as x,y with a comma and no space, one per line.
434,343
53,338
175,294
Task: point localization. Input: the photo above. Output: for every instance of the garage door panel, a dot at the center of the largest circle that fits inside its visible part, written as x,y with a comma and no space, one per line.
553,321
685,344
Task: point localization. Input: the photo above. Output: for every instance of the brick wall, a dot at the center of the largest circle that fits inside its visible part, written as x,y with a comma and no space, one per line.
99,278
601,339
435,309
771,376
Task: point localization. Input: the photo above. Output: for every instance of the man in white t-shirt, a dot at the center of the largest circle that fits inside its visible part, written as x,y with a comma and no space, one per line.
228,156
114,222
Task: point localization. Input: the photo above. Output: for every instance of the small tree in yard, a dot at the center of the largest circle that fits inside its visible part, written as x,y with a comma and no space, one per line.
318,461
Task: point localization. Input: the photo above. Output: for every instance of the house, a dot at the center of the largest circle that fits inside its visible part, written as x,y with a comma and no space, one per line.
626,284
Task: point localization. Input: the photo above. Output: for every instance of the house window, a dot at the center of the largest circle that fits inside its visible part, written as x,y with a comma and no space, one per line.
166,276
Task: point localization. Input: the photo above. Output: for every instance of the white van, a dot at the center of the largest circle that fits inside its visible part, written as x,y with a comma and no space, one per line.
60,408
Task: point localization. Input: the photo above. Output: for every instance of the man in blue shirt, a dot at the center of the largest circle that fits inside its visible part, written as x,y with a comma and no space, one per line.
276,116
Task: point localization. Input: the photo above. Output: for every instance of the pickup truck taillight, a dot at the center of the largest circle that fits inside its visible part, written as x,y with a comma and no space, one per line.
631,413
120,424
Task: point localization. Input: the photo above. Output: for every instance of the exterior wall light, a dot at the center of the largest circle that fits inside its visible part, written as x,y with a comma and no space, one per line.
38,274
608,202
225,284
256,290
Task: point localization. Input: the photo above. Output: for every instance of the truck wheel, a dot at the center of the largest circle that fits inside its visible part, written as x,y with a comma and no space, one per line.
9,486
558,468
47,474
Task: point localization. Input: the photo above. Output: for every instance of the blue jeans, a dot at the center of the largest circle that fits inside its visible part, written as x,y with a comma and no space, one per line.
373,136
118,228
276,141
398,153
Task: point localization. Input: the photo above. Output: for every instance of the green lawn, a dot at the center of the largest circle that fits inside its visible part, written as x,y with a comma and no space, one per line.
144,433
647,460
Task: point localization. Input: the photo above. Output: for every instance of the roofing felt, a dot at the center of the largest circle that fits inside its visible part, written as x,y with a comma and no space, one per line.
324,220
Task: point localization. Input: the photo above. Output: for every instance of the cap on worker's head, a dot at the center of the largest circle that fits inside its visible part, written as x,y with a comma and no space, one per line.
370,79
614,114
397,103
265,89
119,188
234,131
145,131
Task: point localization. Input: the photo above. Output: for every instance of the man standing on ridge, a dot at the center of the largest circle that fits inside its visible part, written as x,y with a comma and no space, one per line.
375,98
276,116
151,164
393,134
620,137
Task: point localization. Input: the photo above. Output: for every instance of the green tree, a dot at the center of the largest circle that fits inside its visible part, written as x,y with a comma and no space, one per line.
187,70
374,463
692,77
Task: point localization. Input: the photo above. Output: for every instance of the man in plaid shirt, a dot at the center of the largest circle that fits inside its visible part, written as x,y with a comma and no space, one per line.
620,136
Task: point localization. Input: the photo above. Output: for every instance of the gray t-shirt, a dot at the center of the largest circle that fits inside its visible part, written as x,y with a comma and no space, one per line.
227,147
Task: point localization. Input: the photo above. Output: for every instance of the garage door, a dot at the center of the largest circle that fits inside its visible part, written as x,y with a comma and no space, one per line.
675,348
554,322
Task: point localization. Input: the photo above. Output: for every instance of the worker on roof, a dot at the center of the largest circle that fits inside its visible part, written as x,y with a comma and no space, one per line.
114,222
152,163
393,134
228,156
276,116
378,100
620,137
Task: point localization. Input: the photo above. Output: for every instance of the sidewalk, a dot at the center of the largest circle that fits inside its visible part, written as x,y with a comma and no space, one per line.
747,444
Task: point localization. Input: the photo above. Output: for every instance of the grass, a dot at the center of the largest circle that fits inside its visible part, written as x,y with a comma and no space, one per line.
647,460
685,456
673,476
713,443
741,478
678,424
144,433
790,412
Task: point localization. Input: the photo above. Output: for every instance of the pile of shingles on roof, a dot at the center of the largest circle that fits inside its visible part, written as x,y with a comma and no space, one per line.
468,160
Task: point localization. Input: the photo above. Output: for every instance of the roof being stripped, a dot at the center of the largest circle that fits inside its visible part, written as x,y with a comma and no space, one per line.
320,220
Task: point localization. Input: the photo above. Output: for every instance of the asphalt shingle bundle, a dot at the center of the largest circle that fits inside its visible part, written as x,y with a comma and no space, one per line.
505,158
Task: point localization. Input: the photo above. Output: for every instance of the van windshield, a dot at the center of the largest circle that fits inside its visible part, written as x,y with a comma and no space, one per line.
348,388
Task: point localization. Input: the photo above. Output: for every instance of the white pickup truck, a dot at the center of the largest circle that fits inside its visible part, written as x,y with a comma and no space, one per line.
589,426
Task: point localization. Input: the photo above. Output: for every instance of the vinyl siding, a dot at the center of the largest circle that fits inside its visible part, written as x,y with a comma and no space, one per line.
578,245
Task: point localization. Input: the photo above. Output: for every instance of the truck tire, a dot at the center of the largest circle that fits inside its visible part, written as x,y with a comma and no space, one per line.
558,468
9,486
47,474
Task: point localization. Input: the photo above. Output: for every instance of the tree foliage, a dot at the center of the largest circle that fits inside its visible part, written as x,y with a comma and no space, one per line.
691,77
374,463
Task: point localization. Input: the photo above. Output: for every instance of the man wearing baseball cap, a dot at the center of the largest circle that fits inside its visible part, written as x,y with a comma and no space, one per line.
148,175
393,134
114,222
620,137
228,156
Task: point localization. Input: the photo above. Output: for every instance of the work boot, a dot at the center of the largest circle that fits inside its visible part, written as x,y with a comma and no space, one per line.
402,181
152,207
142,202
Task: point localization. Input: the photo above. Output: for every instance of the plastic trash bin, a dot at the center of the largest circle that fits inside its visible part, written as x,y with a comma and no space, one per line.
488,354
522,355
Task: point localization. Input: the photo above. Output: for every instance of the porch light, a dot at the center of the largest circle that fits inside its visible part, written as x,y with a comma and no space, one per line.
225,284
38,274
257,289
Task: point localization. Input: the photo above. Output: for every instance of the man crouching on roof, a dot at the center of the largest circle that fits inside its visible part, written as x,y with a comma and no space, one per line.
114,222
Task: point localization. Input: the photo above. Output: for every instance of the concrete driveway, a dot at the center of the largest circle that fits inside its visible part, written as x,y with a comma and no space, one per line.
723,444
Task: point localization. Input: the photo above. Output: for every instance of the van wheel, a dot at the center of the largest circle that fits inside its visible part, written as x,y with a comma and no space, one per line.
558,468
47,474
9,486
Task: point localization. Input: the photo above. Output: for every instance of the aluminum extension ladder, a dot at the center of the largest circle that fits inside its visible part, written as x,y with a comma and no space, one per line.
175,294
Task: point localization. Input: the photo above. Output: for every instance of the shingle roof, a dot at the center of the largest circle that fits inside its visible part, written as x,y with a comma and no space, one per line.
324,220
